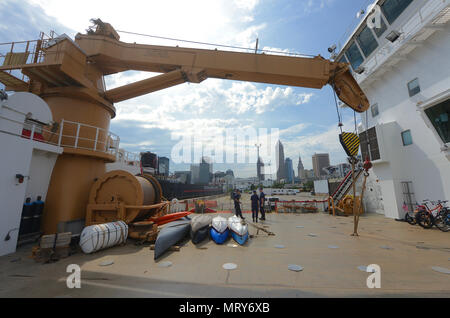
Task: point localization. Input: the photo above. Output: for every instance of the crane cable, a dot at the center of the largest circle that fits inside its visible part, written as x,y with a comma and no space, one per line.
337,110
218,45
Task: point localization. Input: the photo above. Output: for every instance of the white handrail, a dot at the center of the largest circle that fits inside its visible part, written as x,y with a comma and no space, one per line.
111,139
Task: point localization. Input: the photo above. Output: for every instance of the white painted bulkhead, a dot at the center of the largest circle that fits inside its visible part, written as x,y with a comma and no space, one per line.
32,159
425,162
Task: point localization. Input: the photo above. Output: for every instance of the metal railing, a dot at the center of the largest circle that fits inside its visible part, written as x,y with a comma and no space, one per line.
66,134
13,55
130,158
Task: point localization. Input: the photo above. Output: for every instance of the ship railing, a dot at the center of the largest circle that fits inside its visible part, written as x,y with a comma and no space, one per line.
130,158
14,55
82,136
422,16
66,134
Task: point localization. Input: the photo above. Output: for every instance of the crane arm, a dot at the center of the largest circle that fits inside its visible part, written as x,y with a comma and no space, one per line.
180,65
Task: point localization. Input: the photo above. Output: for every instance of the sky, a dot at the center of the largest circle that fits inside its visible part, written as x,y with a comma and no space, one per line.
306,118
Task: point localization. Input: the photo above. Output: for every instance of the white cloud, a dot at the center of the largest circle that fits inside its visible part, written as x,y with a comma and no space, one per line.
316,5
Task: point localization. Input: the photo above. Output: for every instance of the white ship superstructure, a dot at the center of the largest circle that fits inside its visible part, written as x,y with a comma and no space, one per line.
404,69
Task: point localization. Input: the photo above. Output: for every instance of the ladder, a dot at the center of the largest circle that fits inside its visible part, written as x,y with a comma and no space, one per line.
346,184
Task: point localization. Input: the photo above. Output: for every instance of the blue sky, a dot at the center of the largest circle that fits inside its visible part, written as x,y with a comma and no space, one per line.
306,117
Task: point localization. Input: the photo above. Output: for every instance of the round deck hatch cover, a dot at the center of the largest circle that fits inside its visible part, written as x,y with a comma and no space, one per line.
165,264
295,268
229,266
441,270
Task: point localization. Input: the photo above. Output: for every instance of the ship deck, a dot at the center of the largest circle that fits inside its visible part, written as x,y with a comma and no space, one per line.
405,253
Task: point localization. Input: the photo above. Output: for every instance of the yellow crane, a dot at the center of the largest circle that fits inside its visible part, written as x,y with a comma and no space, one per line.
69,75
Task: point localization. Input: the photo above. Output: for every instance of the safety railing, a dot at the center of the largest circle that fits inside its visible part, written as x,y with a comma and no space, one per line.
64,134
129,158
13,55
82,136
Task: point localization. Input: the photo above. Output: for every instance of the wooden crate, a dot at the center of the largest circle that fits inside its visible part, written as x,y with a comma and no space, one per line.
55,240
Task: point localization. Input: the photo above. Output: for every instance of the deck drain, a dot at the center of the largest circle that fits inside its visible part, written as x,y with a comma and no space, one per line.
229,266
363,268
300,227
422,247
441,269
106,263
279,246
295,268
165,264
386,247
333,246
312,235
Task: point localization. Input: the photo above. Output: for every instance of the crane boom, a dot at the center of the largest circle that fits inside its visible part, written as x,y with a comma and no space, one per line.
79,66
180,65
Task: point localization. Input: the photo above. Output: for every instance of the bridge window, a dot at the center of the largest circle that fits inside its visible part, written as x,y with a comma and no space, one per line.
439,117
367,41
343,59
374,110
393,8
354,56
407,138
414,87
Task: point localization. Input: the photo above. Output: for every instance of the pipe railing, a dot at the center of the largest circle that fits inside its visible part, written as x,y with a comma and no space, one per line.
69,134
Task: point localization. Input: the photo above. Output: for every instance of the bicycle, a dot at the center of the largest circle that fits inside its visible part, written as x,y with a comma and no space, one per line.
442,220
438,216
410,216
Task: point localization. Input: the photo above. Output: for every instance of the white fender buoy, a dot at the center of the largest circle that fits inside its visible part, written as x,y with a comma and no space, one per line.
101,236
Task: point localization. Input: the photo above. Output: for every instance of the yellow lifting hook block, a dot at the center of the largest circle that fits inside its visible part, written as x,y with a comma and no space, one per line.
350,142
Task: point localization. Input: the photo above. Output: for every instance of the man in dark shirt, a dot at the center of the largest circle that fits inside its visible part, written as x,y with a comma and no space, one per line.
262,200
255,206
237,204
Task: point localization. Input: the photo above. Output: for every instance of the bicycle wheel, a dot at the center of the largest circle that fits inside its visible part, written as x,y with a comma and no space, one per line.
419,215
411,220
442,221
426,221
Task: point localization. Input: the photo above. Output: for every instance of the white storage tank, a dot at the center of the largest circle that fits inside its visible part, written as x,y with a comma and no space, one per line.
98,237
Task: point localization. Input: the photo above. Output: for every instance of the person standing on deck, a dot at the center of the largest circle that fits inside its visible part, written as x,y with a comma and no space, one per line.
237,204
262,200
255,206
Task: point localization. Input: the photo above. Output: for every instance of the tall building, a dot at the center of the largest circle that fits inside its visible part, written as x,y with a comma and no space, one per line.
289,170
204,174
163,166
320,161
260,167
281,169
195,173
301,169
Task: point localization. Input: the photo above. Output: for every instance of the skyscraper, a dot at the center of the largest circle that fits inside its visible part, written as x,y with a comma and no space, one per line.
260,169
163,166
301,169
320,161
281,169
289,170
